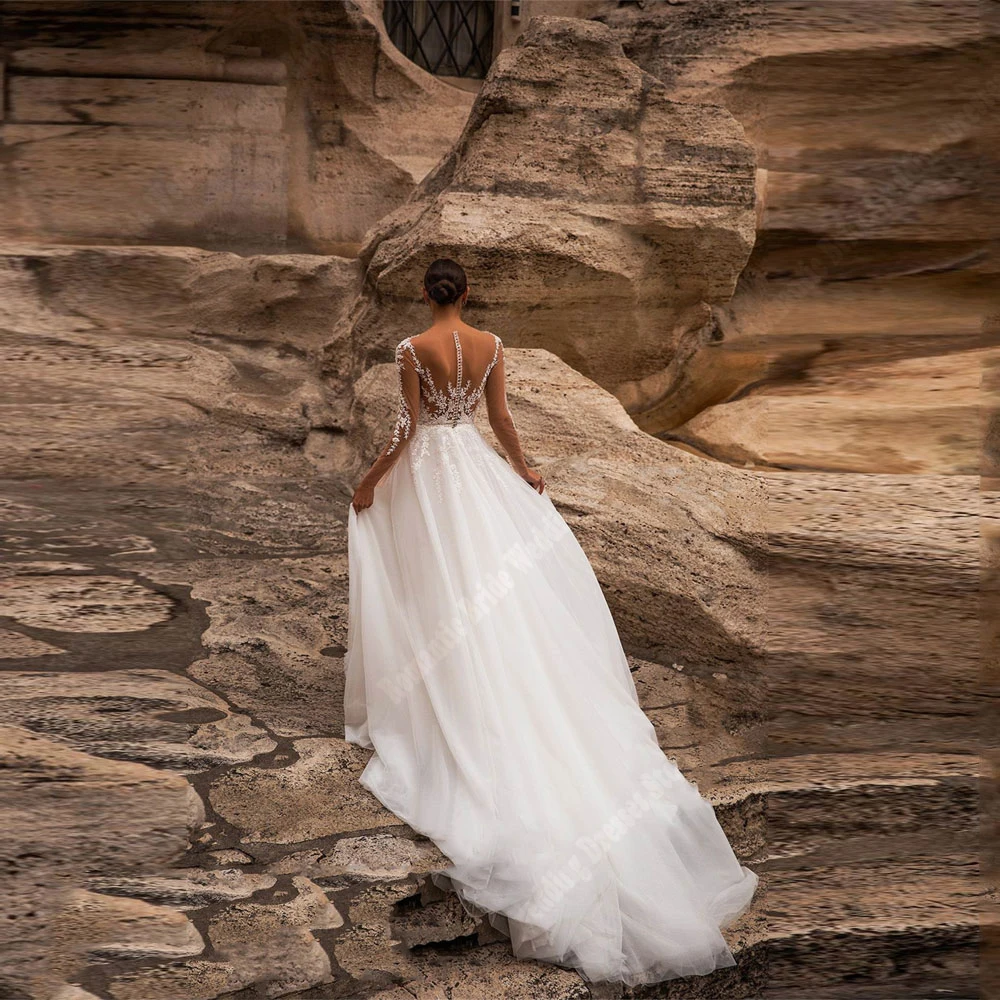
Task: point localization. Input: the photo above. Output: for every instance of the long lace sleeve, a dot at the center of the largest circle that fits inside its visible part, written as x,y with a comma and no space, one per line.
500,417
406,417
409,397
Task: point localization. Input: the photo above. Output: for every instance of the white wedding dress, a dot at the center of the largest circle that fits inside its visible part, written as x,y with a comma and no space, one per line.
485,670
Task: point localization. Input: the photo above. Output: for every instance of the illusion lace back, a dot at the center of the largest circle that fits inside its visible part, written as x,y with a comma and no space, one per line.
485,671
454,403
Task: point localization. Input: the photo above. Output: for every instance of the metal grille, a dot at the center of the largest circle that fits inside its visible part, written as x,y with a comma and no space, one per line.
446,37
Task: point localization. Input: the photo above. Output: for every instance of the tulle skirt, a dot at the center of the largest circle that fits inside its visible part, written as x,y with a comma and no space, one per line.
485,670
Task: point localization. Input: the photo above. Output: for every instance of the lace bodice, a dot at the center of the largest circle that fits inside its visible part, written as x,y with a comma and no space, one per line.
453,403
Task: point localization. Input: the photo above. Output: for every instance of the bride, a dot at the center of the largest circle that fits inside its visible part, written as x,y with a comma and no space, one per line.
485,671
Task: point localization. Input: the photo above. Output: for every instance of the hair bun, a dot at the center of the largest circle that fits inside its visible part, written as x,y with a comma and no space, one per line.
445,281
443,291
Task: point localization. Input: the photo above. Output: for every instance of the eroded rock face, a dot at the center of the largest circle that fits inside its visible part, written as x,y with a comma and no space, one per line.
621,208
913,415
219,124
156,344
174,292
872,273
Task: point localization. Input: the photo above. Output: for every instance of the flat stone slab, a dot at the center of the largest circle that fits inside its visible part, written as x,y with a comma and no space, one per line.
317,796
84,603
379,856
152,716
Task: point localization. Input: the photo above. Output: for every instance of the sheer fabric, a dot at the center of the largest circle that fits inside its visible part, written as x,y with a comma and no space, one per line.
485,670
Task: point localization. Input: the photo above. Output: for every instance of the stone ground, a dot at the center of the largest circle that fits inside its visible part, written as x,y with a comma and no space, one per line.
183,815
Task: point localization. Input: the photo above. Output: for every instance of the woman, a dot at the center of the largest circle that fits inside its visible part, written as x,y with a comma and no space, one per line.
485,670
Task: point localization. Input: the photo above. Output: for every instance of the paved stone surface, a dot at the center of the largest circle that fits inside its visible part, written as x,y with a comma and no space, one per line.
316,796
151,716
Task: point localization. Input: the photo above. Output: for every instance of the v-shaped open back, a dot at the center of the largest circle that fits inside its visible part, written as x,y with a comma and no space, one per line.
456,401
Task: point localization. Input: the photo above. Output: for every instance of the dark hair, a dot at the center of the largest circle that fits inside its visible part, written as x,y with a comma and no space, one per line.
445,281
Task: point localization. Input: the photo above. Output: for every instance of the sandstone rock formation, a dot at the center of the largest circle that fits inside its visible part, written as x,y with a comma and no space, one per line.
215,124
872,268
289,872
147,341
913,415
181,813
621,218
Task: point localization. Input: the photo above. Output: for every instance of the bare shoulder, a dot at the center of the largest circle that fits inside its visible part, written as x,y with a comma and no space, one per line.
485,336
433,332
436,336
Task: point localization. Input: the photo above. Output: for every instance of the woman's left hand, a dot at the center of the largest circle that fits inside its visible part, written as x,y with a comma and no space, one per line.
364,496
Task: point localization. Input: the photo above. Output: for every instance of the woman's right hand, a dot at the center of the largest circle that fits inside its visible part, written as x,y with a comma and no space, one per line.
364,497
534,480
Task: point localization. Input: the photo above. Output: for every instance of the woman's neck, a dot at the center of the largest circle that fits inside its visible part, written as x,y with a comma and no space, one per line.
446,316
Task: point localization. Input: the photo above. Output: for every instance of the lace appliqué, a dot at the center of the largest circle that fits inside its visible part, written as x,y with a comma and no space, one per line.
453,405
404,420
456,402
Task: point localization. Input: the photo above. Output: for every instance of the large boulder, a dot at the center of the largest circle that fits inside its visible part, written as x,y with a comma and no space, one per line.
809,591
596,217
912,415
156,344
675,540
281,300
872,262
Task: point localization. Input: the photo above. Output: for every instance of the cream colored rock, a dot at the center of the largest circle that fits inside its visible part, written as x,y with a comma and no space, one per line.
316,796
873,238
187,888
229,856
196,979
84,603
272,945
568,243
371,949
286,299
915,415
491,971
787,72
65,813
73,993
61,804
114,928
156,347
246,126
873,637
267,946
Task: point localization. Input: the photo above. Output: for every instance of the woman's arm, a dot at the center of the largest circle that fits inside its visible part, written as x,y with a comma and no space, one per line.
503,423
406,422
